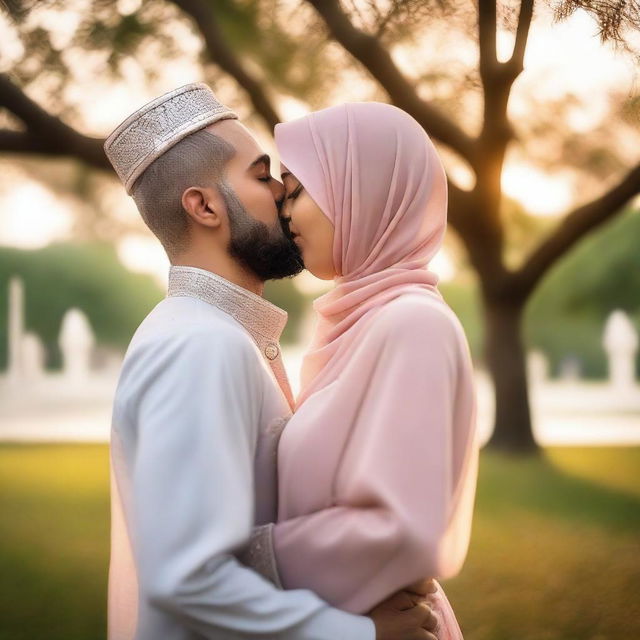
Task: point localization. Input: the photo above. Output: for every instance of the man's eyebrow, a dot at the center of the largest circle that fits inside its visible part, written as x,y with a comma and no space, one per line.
263,159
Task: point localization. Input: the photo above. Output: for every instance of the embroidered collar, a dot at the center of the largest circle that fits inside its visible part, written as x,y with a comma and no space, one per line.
261,319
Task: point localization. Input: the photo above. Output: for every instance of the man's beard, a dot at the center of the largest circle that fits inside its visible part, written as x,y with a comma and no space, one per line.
269,252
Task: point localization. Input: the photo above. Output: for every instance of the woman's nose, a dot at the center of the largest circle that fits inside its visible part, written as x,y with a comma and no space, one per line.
292,224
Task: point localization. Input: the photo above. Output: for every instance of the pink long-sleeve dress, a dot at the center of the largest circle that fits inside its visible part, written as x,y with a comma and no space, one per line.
374,499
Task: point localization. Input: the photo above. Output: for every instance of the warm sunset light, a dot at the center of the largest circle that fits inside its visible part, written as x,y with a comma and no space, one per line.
538,192
211,428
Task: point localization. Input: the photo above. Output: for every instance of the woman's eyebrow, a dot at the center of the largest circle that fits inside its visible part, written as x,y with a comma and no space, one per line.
285,174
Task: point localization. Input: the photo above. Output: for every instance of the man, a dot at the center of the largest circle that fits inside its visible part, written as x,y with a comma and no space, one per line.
203,395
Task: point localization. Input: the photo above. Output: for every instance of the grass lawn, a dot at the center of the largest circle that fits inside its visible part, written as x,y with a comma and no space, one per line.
555,550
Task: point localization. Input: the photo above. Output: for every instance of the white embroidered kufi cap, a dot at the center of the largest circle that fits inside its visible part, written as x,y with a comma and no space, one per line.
146,134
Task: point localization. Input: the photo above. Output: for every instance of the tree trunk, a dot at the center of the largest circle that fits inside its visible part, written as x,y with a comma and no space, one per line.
505,358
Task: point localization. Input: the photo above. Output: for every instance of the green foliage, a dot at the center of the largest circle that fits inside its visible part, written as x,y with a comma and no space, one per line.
266,32
566,314
464,299
565,317
284,294
285,47
88,277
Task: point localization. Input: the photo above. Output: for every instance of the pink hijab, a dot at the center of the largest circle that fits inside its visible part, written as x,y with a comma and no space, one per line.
376,175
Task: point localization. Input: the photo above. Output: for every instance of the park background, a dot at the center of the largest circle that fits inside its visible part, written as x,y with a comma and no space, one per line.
535,110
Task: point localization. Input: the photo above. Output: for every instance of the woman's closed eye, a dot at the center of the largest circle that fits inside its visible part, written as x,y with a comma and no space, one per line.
296,192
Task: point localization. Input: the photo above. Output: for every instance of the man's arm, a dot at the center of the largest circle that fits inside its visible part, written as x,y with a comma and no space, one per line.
197,411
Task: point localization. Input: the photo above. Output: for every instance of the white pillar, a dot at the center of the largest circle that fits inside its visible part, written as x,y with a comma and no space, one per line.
33,356
76,342
620,340
537,367
15,329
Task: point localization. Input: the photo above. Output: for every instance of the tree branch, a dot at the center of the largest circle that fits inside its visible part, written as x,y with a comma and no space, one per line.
376,59
22,142
496,85
574,227
222,54
497,79
487,38
46,134
516,62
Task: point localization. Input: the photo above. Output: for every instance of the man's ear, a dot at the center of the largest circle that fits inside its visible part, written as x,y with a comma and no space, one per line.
204,206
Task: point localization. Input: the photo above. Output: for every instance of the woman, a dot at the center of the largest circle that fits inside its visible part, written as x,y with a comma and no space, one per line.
377,467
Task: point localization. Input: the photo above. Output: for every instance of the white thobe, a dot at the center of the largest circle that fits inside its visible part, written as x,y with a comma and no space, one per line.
200,403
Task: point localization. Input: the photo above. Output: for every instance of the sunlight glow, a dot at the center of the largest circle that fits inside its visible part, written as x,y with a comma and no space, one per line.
443,265
31,216
144,254
538,192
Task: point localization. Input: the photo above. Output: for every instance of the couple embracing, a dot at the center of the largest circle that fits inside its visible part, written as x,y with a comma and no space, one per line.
239,511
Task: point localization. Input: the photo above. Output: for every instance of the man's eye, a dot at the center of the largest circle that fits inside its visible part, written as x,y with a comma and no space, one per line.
266,179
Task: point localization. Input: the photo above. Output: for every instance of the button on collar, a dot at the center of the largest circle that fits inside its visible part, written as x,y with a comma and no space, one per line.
271,351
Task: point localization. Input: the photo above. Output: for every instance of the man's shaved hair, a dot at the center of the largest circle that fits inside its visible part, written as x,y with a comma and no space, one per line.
199,160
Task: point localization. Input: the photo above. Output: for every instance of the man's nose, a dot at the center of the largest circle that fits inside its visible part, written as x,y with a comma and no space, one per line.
278,190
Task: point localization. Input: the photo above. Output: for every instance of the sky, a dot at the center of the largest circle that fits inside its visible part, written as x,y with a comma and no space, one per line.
560,59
